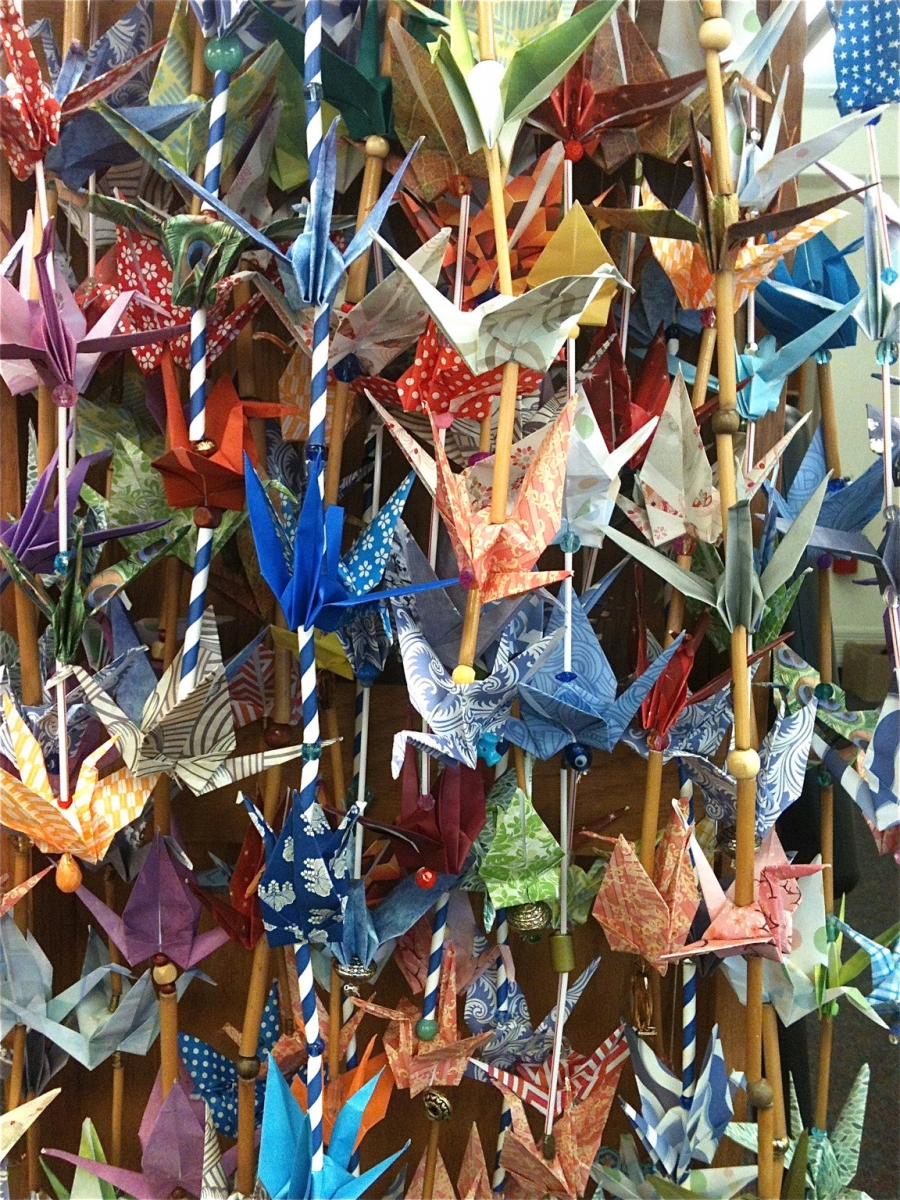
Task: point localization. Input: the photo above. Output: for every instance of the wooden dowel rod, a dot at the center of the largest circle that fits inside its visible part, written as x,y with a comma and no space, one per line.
334,1025
704,366
823,1077
392,12
17,1069
828,415
115,958
332,730
469,641
118,1101
431,1154
650,822
168,1039
33,1155
772,1057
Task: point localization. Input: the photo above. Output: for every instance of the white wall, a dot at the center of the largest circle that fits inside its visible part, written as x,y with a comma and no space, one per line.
857,610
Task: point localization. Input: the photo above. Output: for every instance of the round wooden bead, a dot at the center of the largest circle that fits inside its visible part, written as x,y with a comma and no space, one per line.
726,420
247,1066
68,874
760,1094
743,764
463,675
574,332
377,147
165,974
207,518
277,735
715,34
205,446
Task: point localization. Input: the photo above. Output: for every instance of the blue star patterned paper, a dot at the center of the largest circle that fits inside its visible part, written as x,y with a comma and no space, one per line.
866,53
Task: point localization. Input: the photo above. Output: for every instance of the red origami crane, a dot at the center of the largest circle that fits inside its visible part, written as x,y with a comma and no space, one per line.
240,919
30,113
212,476
137,263
438,382
622,408
442,825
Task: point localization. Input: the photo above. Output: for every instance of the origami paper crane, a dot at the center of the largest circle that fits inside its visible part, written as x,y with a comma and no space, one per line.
215,1077
783,756
790,302
585,710
241,917
672,1132
139,264
645,916
32,113
304,888
690,251
529,329
285,1161
162,913
497,559
861,85
577,1135
96,809
622,1175
592,474
876,790
473,1183
10,899
15,1123
437,830
514,1043
416,1064
314,267
742,589
492,98
459,716
173,1137
439,382
846,509
832,1158
576,246
46,341
34,536
250,675
620,407
79,1020
884,997
521,861
763,928
83,1182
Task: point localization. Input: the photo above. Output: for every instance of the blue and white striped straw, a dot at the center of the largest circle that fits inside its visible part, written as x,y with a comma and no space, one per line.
502,977
435,958
312,81
498,1184
688,1031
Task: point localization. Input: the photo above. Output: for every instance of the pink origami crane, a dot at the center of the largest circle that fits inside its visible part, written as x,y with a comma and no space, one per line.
10,899
763,928
645,916
498,559
30,114
474,1182
418,1065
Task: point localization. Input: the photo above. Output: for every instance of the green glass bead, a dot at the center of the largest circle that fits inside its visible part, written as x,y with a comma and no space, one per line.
426,1030
223,54
824,691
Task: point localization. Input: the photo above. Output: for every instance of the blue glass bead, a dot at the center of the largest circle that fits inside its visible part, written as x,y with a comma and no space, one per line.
570,542
62,561
578,757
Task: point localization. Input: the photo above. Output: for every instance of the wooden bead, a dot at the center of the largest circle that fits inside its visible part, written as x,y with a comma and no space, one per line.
377,147
207,518
574,332
68,874
165,974
715,34
743,764
277,735
247,1067
463,675
760,1094
726,420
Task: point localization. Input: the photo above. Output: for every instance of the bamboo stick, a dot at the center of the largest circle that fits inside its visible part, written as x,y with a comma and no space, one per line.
652,790
704,365
118,1103
431,1153
772,1056
743,761
33,1155
334,1025
164,975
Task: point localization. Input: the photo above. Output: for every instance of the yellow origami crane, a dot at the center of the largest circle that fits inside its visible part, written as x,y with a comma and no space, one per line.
99,808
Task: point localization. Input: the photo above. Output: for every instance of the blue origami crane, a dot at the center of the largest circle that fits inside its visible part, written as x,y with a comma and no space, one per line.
877,790
215,1076
313,267
285,1154
790,302
463,720
676,1130
304,889
782,756
884,998
301,560
866,54
559,712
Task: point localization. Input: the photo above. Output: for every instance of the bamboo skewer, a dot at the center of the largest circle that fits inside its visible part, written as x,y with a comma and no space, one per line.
772,1053
743,761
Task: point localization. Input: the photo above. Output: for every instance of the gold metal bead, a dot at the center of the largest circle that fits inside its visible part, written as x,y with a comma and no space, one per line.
437,1106
780,1147
532,917
205,446
715,34
743,764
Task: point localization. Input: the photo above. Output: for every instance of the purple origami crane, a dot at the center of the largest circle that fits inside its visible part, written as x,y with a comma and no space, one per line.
161,915
46,341
172,1136
33,538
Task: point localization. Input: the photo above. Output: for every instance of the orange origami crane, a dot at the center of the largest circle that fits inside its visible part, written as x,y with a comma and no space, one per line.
213,478
645,916
138,263
98,808
418,1065
438,382
474,1182
763,928
532,213
338,1091
498,559
30,114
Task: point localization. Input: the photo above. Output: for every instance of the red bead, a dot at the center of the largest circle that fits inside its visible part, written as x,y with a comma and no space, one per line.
207,518
426,878
160,960
277,735
574,151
